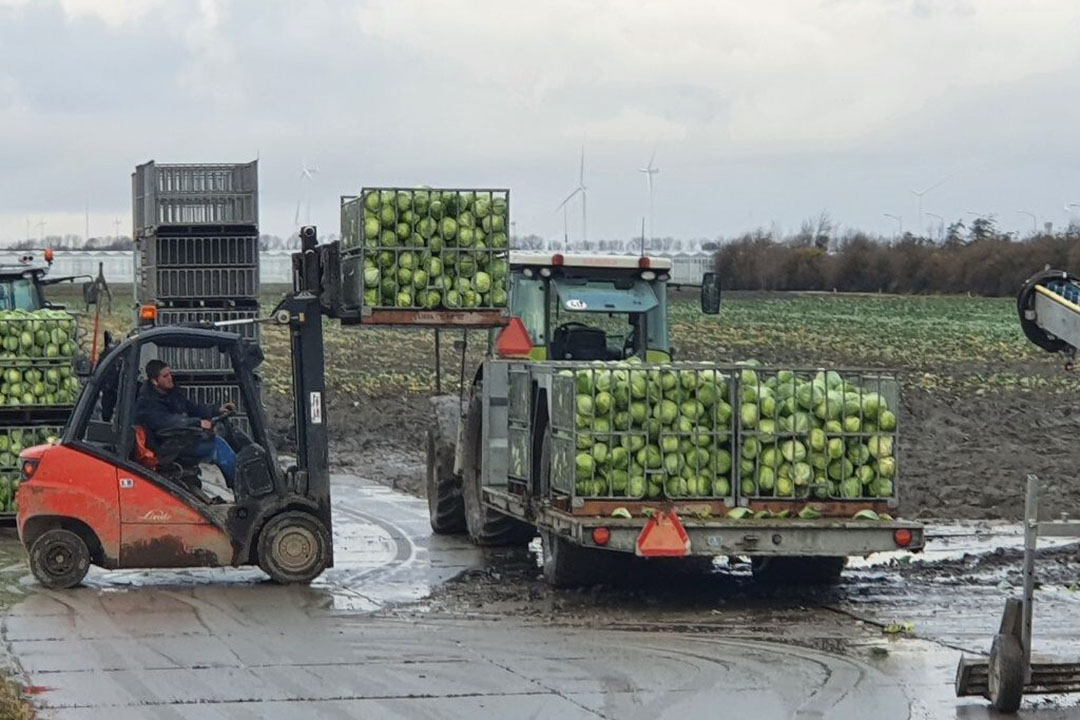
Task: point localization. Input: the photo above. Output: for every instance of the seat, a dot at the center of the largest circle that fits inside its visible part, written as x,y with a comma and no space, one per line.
575,341
143,454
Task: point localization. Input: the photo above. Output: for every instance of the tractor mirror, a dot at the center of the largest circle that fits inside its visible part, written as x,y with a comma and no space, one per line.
710,294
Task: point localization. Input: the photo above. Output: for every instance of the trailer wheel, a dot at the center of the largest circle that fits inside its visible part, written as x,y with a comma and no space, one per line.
486,526
1006,673
294,548
798,570
446,506
59,559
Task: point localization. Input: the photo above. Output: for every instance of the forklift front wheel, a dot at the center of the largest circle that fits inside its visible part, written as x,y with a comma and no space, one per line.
294,548
59,559
1006,673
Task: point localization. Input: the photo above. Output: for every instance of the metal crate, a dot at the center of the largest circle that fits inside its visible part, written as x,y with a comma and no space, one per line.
165,284
219,250
822,435
413,260
641,432
196,360
214,394
14,439
187,316
171,194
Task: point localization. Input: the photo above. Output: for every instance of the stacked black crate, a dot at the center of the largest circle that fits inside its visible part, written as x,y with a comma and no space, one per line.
197,260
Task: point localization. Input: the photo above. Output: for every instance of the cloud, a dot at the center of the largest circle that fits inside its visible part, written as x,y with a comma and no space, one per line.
841,104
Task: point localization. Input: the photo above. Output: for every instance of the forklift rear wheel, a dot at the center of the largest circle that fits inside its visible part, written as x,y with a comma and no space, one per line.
1006,673
293,548
59,559
486,526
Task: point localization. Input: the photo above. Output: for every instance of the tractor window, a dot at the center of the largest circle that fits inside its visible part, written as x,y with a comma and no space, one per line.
19,294
527,303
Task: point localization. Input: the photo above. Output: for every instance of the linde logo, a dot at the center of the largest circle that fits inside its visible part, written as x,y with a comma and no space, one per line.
156,516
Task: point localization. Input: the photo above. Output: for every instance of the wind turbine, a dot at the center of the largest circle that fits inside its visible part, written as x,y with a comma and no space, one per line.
919,193
307,174
649,171
579,189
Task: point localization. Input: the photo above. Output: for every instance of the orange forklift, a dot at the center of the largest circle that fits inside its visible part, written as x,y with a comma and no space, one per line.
99,496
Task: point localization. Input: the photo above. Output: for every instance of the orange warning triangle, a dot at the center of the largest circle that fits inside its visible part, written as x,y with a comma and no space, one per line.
663,536
514,340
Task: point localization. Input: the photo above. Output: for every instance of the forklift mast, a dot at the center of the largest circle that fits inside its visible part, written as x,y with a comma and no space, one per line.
314,287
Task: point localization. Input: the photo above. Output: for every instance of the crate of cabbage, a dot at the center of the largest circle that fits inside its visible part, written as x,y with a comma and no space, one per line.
635,431
742,434
427,255
37,334
824,435
12,442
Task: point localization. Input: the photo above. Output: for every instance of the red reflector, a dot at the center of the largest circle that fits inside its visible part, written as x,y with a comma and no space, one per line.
663,536
601,535
902,537
513,340
48,255
557,259
644,262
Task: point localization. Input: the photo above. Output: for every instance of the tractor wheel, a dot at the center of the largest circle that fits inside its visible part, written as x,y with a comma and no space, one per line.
1006,673
59,559
798,570
294,547
446,507
486,526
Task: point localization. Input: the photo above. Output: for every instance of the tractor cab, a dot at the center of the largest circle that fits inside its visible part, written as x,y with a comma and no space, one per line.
592,307
137,504
23,282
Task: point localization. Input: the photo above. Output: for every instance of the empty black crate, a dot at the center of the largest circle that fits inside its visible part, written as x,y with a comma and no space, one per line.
213,283
234,250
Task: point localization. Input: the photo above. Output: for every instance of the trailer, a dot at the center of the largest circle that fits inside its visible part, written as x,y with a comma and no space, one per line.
522,459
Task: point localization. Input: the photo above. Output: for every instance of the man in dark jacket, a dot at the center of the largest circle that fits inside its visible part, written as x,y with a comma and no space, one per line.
163,406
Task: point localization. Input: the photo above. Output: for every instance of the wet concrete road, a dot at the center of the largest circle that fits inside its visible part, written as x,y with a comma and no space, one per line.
210,644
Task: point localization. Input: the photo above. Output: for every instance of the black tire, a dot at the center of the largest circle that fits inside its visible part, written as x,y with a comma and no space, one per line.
566,565
59,559
798,570
1006,673
446,506
294,548
486,527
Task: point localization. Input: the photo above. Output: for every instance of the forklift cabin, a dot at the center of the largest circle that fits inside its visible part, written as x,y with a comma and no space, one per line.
100,496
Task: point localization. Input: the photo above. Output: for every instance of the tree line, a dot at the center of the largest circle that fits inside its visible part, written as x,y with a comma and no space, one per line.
977,259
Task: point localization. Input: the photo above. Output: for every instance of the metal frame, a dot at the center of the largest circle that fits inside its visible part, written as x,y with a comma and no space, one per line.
353,227
973,676
527,378
195,194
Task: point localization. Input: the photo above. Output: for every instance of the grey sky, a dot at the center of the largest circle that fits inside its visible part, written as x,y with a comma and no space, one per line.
760,112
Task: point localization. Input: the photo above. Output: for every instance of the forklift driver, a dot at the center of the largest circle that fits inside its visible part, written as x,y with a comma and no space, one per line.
161,405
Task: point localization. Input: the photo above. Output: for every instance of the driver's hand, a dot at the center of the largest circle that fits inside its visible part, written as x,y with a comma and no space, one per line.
206,424
227,408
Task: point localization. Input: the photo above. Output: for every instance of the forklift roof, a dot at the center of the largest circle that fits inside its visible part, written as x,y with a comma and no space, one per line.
599,296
